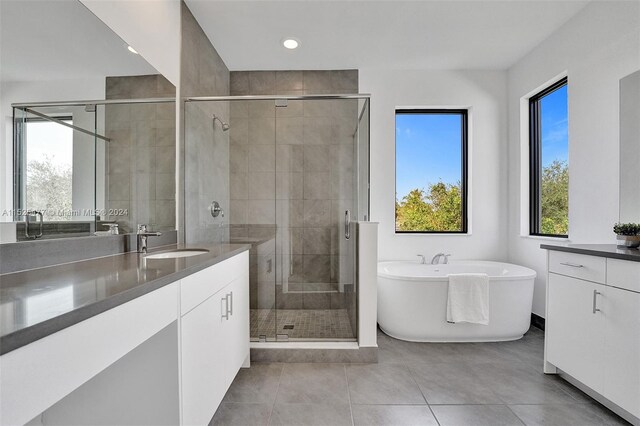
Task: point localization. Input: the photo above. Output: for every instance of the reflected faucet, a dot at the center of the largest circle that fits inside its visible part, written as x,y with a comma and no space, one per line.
142,238
436,258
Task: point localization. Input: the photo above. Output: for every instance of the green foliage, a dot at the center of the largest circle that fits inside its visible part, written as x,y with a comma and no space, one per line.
627,228
437,209
554,219
49,189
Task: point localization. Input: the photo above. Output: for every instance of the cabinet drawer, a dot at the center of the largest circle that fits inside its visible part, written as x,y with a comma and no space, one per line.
197,287
623,274
591,268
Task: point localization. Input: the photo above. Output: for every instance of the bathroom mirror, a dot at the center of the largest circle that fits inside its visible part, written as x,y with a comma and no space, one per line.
630,148
71,167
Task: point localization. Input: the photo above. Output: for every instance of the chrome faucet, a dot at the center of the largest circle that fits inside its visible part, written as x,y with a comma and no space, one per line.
422,259
142,237
436,258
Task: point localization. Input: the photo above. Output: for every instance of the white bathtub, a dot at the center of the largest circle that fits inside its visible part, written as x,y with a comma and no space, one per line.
412,301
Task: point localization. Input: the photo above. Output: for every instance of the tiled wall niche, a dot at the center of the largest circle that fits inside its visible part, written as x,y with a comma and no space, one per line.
292,176
141,156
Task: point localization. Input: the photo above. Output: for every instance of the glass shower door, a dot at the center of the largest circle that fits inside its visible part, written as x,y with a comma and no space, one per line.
315,201
57,165
252,207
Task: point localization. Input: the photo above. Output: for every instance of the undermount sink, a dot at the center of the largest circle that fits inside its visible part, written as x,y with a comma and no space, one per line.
177,253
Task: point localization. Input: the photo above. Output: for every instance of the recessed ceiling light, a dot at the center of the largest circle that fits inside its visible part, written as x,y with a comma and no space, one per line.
291,43
132,50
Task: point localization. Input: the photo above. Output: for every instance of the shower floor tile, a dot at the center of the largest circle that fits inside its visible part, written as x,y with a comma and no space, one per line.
307,323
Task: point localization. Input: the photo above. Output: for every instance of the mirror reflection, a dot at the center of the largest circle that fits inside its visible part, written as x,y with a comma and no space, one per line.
88,128
630,148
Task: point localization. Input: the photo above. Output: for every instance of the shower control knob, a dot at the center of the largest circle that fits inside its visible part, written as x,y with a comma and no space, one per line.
215,209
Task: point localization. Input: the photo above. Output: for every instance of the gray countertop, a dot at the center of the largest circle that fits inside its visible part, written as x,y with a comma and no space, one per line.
40,302
601,250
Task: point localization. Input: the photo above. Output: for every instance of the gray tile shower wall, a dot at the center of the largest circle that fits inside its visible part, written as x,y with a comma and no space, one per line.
206,144
293,167
141,156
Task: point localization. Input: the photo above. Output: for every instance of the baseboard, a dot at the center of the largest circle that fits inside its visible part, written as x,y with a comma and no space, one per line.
537,321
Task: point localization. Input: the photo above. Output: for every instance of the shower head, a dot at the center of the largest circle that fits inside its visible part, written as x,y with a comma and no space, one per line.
225,126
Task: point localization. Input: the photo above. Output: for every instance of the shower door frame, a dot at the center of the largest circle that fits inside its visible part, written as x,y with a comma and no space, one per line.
362,215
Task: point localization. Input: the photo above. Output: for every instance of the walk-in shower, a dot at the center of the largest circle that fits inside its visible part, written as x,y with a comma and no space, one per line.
291,174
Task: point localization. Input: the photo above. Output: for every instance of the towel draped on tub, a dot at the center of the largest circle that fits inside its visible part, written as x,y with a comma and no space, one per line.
468,298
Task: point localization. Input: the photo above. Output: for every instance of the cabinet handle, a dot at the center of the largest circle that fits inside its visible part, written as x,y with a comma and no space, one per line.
231,303
225,309
595,301
573,265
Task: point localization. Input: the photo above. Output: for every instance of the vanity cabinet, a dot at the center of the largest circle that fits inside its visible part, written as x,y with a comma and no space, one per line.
214,336
42,373
575,341
621,313
593,325
165,357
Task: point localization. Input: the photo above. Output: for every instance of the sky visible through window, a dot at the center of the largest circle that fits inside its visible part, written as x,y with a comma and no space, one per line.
50,140
428,150
554,127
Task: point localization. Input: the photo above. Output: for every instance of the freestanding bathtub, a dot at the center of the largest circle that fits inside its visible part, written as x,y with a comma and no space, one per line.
412,301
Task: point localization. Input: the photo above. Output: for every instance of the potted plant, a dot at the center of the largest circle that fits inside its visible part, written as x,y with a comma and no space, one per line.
628,234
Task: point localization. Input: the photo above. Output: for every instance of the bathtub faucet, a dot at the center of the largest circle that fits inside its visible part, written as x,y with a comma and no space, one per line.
436,258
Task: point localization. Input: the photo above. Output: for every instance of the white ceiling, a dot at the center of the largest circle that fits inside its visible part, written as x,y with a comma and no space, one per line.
479,34
58,40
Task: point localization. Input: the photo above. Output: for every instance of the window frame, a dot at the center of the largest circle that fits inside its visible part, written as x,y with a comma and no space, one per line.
535,160
19,157
464,115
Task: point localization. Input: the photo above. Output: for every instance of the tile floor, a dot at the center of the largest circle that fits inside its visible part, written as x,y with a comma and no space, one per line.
307,323
414,384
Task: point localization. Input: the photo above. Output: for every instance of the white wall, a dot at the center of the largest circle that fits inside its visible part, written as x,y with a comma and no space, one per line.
42,91
485,93
596,48
152,27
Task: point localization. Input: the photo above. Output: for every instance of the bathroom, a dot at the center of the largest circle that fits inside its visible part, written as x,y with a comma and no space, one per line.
225,236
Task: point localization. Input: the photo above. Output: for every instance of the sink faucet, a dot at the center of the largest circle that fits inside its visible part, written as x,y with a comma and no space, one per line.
422,259
142,237
436,258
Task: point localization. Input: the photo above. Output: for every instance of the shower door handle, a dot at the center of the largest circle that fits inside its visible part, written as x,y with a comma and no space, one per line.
347,224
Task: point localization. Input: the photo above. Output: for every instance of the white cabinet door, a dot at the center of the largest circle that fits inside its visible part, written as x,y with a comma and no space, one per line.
237,328
575,333
621,309
204,373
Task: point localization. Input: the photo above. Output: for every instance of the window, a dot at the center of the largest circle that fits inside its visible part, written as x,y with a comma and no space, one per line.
431,171
549,166
46,168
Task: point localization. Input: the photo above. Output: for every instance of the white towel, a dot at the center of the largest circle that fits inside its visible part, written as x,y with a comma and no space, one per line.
468,298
